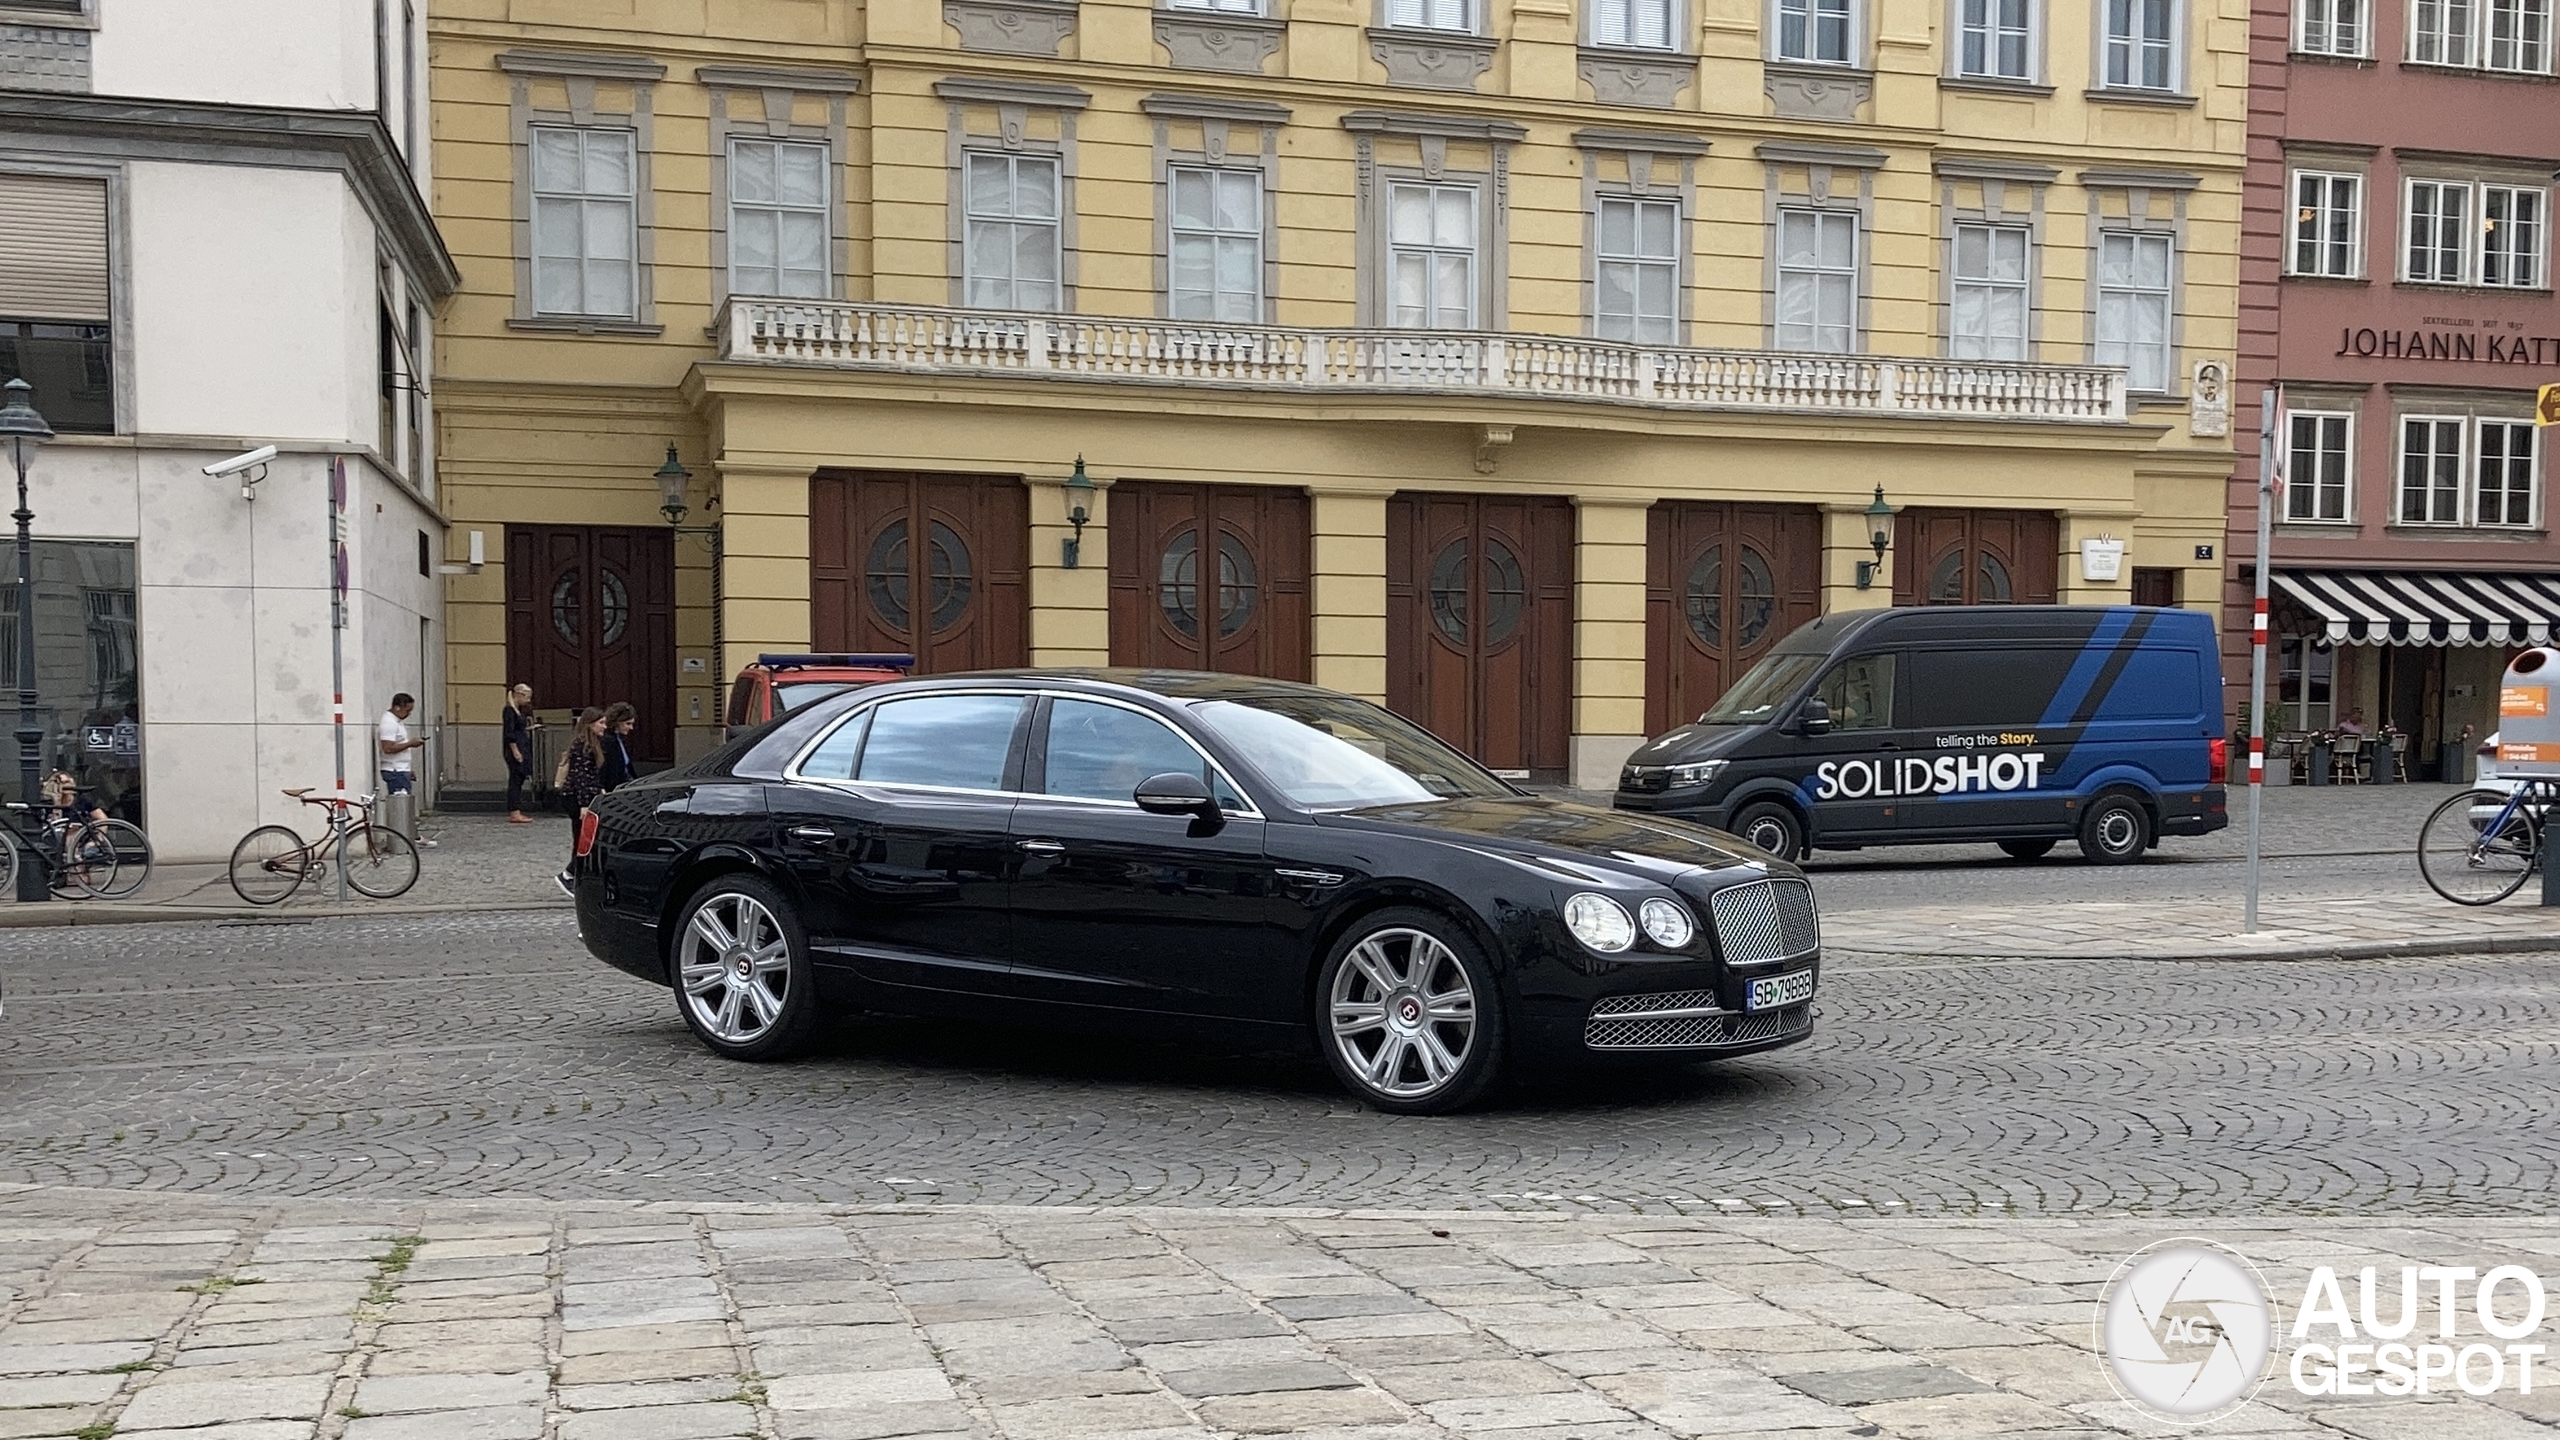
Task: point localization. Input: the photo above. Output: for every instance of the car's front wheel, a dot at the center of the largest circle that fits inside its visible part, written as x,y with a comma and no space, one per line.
1412,1022
741,967
1771,826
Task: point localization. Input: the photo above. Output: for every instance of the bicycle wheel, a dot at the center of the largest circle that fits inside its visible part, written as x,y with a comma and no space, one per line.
269,864
76,869
131,850
2473,851
9,866
381,863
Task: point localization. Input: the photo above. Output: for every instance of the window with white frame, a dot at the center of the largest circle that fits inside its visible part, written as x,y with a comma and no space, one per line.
1817,280
2141,44
584,224
2319,465
1432,15
1639,24
2134,305
2439,232
2330,27
778,232
1010,249
2440,31
2430,470
2511,235
1636,271
1431,256
2505,496
2328,224
1818,32
1995,39
1216,244
1988,315
2519,36
1223,7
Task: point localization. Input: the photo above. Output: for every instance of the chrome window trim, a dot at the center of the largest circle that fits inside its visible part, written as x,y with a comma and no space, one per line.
791,770
1252,810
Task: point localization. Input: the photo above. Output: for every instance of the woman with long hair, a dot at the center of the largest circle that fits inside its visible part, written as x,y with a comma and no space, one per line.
584,782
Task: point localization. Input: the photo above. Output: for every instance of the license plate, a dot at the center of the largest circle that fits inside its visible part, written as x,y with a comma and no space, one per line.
1779,990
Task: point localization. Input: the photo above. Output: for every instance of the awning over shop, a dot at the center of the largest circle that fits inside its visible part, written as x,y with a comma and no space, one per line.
2426,607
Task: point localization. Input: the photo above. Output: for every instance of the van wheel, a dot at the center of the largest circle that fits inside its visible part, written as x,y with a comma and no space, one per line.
2115,830
1772,827
2027,849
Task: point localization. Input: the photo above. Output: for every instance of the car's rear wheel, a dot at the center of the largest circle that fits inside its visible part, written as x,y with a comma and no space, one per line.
1412,1022
2115,830
2027,849
741,968
1772,827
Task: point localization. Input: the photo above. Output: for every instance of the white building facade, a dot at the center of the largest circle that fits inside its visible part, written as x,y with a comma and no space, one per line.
212,239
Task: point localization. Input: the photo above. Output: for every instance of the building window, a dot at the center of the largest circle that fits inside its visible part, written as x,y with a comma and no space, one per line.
2328,221
2305,670
1817,280
778,231
1988,320
2520,36
2506,473
1643,24
2440,32
1431,256
2439,231
1995,40
1637,294
1223,7
1432,15
1011,254
1816,31
583,223
2330,27
2511,234
1216,248
2430,471
2318,463
2133,306
2141,52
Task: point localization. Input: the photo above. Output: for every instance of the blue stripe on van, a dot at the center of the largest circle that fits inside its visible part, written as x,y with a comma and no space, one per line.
2074,689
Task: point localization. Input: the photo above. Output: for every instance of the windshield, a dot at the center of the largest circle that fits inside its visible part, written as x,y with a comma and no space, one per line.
787,698
1769,685
1329,752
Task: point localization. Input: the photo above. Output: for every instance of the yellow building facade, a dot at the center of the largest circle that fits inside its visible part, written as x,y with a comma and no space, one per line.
1529,365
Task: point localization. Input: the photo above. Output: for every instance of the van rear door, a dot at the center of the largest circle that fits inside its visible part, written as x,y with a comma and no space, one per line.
1977,714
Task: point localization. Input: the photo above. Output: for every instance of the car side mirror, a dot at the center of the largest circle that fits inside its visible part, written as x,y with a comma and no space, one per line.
1175,793
1815,717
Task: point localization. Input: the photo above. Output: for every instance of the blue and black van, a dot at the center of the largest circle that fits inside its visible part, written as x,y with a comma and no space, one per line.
2021,725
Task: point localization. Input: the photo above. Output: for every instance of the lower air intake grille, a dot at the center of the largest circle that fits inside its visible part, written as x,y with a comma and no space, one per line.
1682,1019
1765,920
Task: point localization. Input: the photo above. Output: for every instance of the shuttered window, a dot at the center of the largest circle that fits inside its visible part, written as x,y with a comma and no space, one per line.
53,248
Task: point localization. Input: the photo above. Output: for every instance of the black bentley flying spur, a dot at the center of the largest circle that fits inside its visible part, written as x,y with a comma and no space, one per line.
1206,854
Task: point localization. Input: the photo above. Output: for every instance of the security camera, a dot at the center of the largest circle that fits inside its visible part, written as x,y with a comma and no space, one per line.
241,461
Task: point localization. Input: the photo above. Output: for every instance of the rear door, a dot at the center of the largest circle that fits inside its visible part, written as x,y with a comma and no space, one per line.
1979,714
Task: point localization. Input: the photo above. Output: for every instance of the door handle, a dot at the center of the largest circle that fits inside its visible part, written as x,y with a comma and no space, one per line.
1040,847
817,833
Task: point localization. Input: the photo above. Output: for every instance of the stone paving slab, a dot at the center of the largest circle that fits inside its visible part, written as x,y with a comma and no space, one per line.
1803,1328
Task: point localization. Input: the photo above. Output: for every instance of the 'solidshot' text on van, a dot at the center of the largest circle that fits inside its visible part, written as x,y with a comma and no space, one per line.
2021,726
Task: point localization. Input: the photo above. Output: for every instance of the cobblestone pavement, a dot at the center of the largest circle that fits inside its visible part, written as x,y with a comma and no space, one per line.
156,1321
469,1055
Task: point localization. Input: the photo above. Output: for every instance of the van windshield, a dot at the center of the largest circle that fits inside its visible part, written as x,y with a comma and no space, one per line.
1756,695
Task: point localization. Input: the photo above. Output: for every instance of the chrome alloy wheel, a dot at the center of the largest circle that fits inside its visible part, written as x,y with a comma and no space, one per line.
1404,1013
735,966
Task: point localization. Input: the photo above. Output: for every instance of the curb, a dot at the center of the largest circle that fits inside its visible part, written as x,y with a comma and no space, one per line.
58,914
2355,950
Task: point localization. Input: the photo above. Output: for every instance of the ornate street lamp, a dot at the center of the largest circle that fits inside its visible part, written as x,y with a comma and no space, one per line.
1880,535
672,479
1079,511
22,429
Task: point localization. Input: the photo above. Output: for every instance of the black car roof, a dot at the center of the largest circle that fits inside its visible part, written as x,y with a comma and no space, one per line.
1958,623
1169,684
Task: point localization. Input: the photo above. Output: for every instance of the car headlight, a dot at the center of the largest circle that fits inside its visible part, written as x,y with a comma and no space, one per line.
1600,923
1667,924
1695,773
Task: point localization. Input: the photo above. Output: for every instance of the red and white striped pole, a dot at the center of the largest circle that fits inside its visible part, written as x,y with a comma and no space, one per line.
2269,482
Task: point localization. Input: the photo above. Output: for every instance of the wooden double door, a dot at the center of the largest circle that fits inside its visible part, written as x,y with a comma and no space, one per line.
1723,584
926,565
1209,577
1480,625
591,619
1975,557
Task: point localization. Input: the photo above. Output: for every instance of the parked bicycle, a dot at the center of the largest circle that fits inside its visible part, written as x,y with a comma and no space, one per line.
103,859
2478,847
272,861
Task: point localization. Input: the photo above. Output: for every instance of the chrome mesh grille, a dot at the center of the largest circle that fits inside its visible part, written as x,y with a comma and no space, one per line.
1638,1023
1765,920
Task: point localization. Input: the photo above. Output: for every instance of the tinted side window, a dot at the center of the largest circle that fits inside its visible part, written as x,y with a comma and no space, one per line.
834,757
2007,685
1101,752
959,741
2157,685
739,694
1860,693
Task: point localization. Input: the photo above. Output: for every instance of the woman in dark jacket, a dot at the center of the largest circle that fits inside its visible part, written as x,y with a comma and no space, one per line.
517,729
585,781
619,719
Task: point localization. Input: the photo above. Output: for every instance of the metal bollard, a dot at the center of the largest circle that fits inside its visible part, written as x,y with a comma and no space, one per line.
400,812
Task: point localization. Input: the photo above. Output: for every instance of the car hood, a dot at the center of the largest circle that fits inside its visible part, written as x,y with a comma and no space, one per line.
1583,838
1690,742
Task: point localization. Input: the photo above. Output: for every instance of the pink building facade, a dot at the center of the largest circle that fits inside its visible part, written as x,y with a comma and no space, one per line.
2396,292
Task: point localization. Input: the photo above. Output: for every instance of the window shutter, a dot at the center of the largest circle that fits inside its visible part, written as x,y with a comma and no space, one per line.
53,248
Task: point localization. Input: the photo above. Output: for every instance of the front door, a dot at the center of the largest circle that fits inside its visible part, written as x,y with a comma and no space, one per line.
1480,626
1209,577
1857,765
1975,557
1723,584
591,619
926,565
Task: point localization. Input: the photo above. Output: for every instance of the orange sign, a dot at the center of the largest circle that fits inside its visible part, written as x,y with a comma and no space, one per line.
2524,701
2529,753
2546,405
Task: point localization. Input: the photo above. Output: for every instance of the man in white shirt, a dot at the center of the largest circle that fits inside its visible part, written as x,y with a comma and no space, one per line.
399,770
